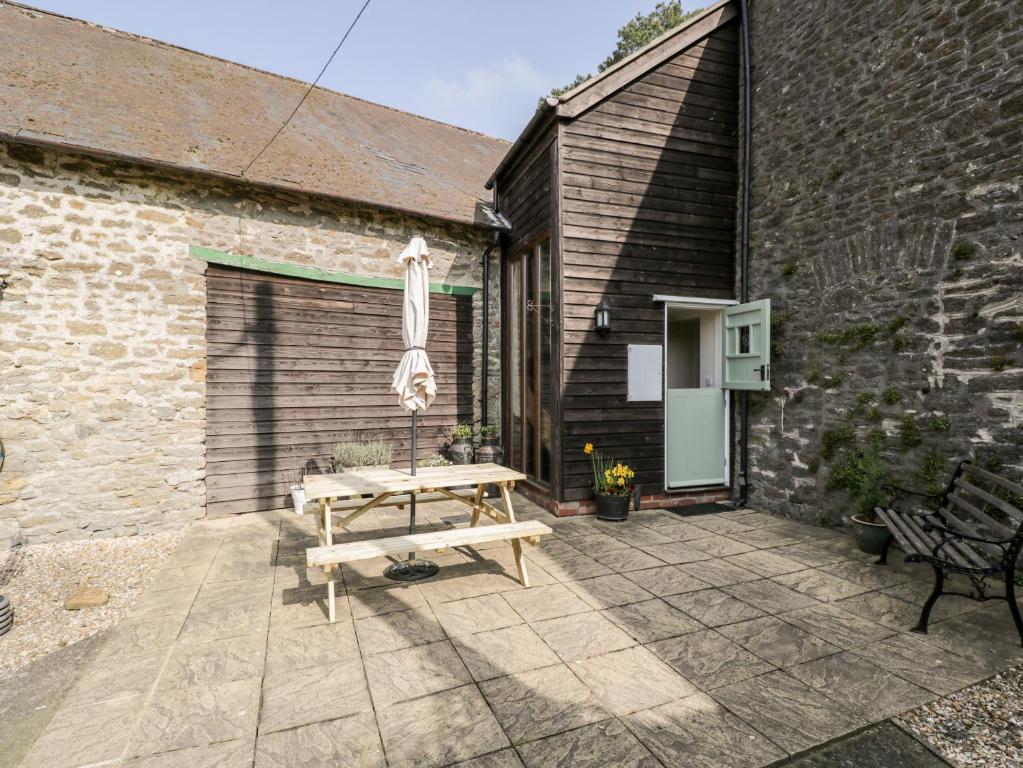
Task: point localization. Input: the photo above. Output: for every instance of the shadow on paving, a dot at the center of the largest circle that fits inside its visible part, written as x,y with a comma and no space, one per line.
30,697
881,746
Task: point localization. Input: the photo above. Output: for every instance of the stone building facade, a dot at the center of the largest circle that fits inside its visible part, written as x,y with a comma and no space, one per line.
102,326
887,223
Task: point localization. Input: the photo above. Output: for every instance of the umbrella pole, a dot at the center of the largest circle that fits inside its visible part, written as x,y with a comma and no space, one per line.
412,569
412,469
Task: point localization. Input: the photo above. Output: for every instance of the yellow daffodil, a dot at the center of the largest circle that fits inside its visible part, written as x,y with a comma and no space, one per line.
621,481
588,449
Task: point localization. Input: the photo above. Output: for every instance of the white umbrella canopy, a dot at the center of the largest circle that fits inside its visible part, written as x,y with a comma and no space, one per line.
414,380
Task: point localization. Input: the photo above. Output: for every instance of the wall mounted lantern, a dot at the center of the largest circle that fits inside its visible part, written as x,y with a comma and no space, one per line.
602,318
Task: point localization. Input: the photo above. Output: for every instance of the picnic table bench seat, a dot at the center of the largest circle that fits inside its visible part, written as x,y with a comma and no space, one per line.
976,530
527,530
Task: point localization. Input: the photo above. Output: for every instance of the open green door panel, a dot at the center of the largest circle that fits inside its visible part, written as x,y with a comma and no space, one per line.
747,346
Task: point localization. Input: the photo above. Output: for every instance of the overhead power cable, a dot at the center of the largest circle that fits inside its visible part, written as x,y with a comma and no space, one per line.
308,90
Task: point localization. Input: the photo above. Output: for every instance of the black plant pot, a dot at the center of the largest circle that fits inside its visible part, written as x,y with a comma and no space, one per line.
614,508
490,452
460,451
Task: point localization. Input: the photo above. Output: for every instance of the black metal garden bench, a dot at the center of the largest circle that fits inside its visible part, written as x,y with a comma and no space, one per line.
976,530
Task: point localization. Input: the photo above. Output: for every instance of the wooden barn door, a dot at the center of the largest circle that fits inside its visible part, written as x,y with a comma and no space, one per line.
295,366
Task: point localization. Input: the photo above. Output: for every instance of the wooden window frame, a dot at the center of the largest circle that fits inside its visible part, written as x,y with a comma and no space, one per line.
531,247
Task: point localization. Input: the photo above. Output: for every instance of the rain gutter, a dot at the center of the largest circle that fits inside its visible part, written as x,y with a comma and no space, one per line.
546,108
747,127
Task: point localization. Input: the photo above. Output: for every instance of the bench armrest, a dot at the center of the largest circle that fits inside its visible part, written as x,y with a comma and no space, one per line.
898,493
898,490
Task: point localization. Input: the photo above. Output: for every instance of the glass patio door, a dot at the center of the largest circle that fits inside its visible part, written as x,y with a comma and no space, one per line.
529,384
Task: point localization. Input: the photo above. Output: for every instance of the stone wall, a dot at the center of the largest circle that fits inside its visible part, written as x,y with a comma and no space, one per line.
887,229
102,323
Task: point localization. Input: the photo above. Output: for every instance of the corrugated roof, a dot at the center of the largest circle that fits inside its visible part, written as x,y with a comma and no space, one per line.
73,84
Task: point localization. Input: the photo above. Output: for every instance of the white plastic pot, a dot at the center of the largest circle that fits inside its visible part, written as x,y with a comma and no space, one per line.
298,498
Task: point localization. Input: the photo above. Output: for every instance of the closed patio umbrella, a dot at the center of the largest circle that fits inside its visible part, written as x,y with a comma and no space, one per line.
414,380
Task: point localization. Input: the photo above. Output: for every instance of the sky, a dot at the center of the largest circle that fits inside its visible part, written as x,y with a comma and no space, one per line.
479,64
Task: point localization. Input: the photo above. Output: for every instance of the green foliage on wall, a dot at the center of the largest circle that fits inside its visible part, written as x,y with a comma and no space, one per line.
833,439
876,438
891,395
932,468
855,337
897,324
862,475
909,432
962,250
998,363
790,268
939,423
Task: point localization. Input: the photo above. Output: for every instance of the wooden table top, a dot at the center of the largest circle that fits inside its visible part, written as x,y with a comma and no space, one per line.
380,481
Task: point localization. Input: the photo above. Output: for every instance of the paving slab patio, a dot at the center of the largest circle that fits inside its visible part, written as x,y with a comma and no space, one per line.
731,639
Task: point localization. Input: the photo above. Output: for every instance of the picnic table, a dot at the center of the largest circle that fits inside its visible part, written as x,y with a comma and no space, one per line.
344,494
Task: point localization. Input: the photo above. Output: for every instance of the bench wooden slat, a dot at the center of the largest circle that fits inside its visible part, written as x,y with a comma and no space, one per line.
908,530
420,542
888,517
991,477
967,550
956,523
997,529
1014,514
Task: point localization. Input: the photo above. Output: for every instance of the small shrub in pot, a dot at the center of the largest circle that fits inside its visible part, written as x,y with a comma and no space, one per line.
360,454
863,476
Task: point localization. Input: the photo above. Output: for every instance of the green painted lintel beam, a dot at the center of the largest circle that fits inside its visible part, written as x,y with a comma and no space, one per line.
314,273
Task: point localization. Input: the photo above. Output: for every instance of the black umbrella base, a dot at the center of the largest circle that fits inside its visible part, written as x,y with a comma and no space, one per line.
411,570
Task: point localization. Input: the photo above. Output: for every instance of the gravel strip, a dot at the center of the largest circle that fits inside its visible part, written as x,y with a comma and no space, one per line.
978,726
38,578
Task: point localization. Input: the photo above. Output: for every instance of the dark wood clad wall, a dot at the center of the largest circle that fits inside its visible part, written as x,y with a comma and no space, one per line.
525,193
295,366
649,180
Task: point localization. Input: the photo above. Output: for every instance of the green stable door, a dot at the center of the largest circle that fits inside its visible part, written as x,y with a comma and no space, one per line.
709,351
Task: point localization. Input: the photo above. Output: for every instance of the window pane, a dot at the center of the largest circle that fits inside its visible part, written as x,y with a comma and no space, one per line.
514,439
529,361
546,353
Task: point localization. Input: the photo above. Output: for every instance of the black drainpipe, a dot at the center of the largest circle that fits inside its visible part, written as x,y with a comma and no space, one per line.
747,126
484,385
495,239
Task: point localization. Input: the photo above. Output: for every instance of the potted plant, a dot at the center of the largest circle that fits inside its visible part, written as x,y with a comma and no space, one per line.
435,460
489,451
360,454
863,476
460,451
612,485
